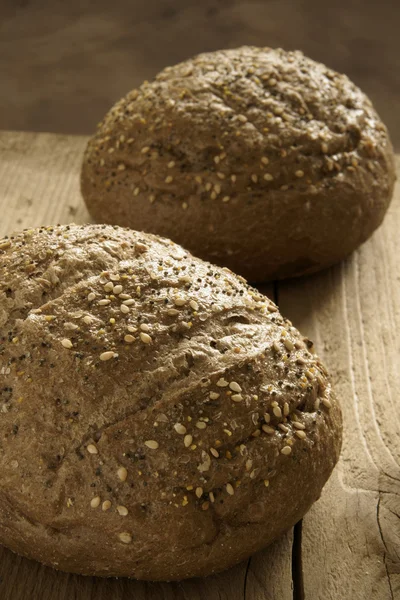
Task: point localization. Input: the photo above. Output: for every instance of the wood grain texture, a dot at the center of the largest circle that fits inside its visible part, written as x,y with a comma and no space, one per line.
39,184
350,547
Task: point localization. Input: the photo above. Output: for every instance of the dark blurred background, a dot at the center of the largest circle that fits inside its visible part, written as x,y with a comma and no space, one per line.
62,64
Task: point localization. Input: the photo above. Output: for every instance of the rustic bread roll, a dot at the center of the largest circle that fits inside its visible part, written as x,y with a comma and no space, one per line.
257,159
159,419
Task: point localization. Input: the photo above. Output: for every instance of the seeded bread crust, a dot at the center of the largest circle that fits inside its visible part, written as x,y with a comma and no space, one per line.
260,160
159,419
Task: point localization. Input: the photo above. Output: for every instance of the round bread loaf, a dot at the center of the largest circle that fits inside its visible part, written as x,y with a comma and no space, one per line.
260,160
159,419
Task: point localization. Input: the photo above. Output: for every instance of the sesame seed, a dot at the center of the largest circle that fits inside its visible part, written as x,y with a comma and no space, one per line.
299,173
91,448
257,432
187,440
266,482
107,355
104,302
283,428
109,286
124,309
235,387
199,492
145,149
205,505
132,329
129,339
172,312
127,300
198,179
145,327
324,148
237,397
268,429
242,118
316,404
95,502
125,537
214,395
169,179
214,452
222,382
327,403
193,304
179,428
298,425
249,464
286,450
106,505
226,199
66,343
265,160
136,191
171,164
301,361
146,339
216,159
300,434
122,510
288,344
201,425
87,320
211,496
268,177
180,301
185,279
229,489
122,473
286,409
152,444
221,176
254,178
117,289
233,178
277,411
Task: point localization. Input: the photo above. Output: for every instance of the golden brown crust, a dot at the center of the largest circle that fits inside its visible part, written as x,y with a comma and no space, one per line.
159,419
257,159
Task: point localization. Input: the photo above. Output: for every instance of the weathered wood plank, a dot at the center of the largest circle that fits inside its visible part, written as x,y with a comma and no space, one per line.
351,537
39,184
39,181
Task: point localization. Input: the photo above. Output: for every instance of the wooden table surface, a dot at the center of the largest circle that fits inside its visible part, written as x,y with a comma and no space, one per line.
348,545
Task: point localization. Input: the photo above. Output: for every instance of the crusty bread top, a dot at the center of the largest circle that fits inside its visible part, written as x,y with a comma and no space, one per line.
240,123
138,380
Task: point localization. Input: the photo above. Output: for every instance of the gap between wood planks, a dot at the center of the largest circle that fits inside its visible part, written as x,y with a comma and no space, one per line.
297,562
